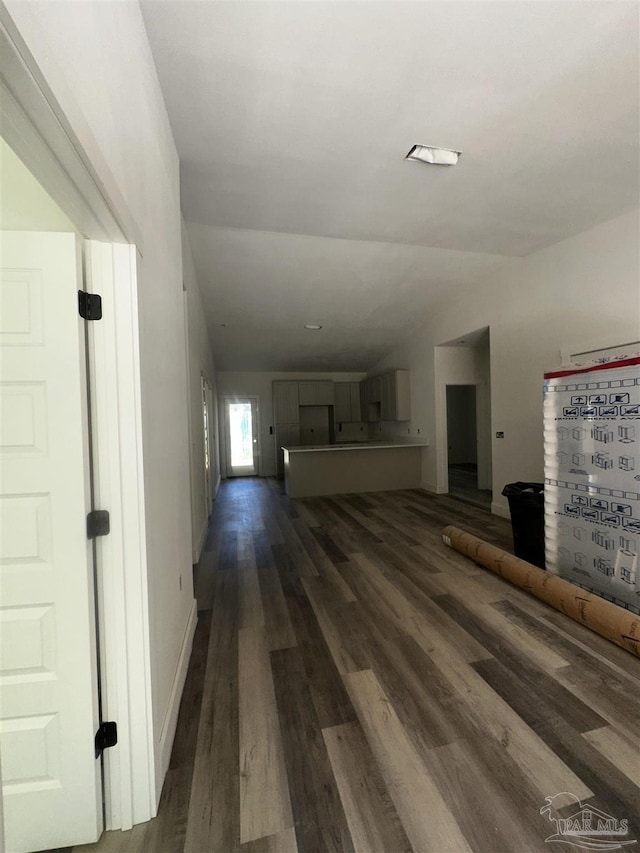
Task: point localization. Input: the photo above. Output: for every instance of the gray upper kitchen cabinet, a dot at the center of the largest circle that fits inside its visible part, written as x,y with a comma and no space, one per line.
401,395
387,389
286,402
315,393
347,402
370,398
395,396
376,389
356,411
342,402
364,399
386,397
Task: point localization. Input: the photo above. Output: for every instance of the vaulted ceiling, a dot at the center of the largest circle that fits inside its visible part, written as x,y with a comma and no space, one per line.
292,120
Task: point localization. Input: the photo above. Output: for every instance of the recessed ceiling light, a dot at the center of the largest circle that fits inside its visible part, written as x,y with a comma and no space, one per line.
313,326
433,156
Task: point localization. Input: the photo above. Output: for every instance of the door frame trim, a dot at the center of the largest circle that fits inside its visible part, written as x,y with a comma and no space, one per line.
74,172
37,127
122,558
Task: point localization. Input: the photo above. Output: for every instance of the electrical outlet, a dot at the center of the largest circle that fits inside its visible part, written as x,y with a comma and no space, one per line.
499,435
180,583
418,432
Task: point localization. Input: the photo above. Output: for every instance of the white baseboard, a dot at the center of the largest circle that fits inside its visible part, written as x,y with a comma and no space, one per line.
168,732
200,543
433,488
501,510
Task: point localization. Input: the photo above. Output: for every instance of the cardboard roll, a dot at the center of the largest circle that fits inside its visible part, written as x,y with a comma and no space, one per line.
610,621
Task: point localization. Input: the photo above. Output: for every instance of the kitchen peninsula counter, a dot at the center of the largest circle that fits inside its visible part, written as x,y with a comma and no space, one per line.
333,469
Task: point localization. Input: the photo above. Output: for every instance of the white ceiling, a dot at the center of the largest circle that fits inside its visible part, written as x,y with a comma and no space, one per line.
292,120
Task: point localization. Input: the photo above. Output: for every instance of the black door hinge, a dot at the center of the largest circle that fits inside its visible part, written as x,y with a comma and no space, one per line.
98,523
89,305
106,736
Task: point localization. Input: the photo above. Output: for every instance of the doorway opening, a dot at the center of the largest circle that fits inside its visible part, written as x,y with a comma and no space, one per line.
462,436
463,418
462,444
242,446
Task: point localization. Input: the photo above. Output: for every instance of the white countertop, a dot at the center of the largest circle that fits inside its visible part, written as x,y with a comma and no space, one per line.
359,445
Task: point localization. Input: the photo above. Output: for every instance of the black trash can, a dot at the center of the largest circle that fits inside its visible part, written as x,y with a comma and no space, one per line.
526,504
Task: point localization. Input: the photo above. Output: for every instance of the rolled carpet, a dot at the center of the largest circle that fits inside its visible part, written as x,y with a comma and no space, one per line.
616,624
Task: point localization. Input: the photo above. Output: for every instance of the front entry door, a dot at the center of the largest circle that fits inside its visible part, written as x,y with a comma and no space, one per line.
241,434
51,785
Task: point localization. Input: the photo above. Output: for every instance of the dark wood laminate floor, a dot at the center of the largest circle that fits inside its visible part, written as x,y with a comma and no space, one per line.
463,484
357,686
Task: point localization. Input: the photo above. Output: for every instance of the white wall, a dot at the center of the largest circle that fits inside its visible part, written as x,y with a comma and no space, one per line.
97,62
244,384
582,293
200,363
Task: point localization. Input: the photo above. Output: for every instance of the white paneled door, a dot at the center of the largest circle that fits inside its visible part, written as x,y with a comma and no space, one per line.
48,675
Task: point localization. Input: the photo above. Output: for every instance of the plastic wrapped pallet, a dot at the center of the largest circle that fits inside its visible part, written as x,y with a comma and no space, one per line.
592,477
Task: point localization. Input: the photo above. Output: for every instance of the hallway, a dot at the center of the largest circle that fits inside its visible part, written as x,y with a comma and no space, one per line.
356,686
463,485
